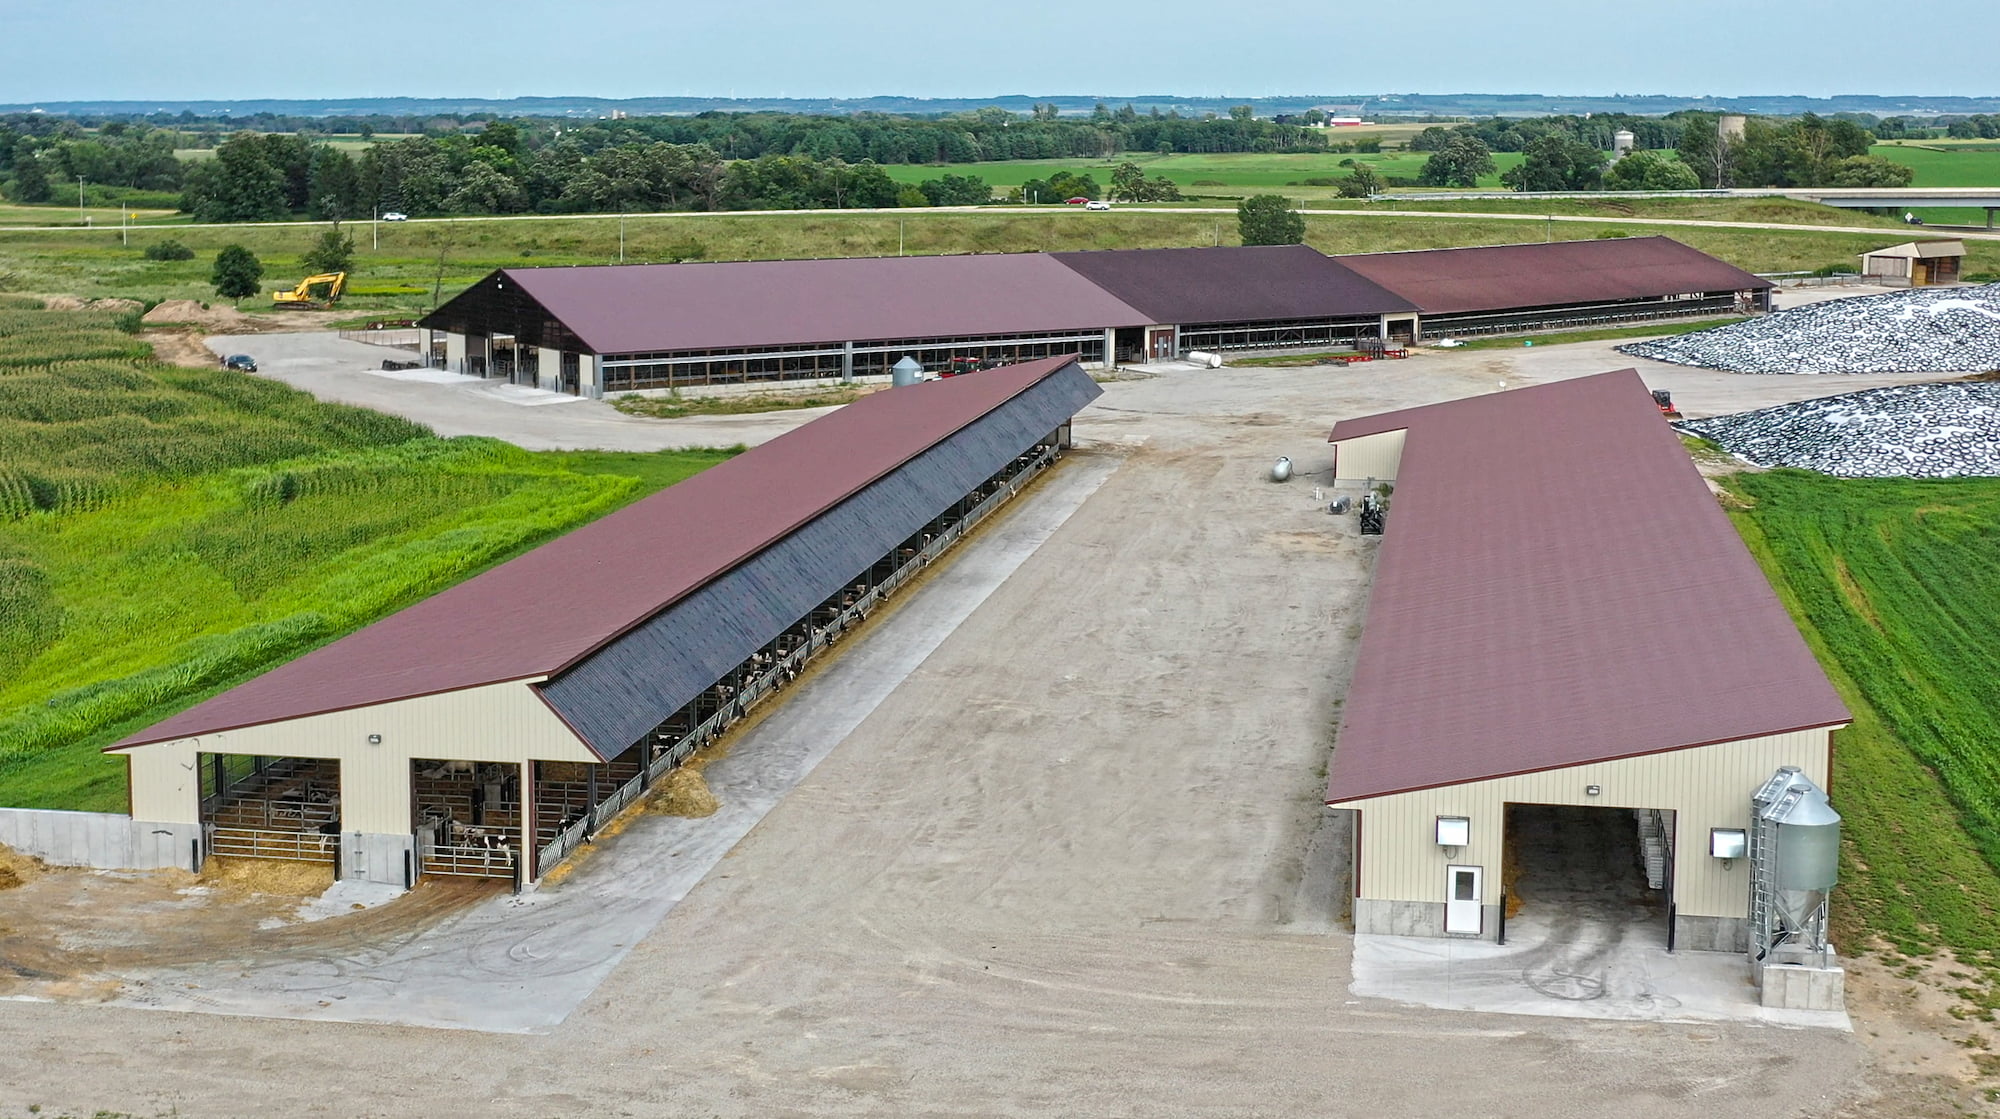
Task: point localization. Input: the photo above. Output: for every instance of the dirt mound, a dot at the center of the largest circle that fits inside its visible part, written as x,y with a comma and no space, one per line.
72,303
17,869
683,792
215,318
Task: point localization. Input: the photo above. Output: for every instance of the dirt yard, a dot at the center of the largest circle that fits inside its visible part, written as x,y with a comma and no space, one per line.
1074,864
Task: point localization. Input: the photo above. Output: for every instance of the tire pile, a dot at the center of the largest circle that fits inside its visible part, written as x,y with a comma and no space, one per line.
1904,431
1923,330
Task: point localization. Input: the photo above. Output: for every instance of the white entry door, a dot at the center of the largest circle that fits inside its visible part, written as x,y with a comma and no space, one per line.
1461,899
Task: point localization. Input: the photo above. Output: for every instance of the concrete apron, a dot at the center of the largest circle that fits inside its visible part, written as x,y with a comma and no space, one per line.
1588,942
522,964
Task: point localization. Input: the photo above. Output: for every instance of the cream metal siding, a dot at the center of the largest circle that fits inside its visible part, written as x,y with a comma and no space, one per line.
1374,456
1707,787
496,723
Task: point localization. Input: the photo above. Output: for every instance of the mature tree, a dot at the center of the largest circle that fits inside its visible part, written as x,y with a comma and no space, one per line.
1651,170
1431,139
956,190
239,184
31,180
483,189
1553,161
1362,182
1242,112
1870,171
1459,163
237,273
333,252
1268,219
1706,152
336,186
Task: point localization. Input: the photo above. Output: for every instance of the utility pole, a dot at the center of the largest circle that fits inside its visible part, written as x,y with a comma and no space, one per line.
79,198
621,236
124,230
375,227
899,237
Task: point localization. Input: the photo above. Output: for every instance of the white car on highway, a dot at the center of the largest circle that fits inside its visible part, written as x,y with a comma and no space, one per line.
1097,205
395,215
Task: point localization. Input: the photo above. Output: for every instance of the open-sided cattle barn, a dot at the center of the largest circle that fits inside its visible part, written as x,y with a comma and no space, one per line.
1249,297
1564,626
620,328
1501,289
491,728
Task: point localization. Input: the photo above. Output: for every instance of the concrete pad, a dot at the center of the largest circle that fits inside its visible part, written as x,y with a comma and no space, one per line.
522,964
348,895
1635,982
523,394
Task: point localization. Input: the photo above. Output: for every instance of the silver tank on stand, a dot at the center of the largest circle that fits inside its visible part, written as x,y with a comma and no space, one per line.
1794,865
908,371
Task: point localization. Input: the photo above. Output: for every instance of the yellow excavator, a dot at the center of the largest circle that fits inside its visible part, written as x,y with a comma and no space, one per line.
330,285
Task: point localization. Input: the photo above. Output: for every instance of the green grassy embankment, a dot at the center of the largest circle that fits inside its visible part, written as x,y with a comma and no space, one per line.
166,532
1896,585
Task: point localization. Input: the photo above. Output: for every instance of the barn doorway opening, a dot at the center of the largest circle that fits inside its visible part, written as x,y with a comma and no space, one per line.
259,807
469,819
1586,880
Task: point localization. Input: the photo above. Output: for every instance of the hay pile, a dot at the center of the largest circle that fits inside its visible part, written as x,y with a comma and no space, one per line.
216,318
1904,431
18,869
1923,330
267,876
684,792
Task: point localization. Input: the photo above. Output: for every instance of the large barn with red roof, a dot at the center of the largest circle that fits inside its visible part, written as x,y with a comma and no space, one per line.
1562,617
625,328
489,729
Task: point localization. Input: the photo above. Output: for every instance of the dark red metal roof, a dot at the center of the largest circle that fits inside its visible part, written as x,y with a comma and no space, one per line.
1234,283
1498,277
542,611
622,309
1557,586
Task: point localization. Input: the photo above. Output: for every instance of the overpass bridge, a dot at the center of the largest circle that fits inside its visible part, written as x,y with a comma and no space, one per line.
1850,198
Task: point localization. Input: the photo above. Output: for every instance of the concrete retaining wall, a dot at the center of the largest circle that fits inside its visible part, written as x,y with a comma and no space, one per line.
101,840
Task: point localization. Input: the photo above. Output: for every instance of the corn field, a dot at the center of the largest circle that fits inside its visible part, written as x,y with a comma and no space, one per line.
165,532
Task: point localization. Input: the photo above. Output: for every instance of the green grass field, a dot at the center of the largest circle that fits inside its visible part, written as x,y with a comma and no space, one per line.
399,278
165,532
1238,174
1896,584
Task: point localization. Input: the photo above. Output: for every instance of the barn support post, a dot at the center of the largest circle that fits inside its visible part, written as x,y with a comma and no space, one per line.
847,363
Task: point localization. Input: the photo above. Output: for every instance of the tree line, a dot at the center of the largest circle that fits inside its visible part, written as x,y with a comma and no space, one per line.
1569,153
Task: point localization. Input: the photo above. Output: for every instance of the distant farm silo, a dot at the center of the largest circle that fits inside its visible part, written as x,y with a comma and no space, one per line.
1729,126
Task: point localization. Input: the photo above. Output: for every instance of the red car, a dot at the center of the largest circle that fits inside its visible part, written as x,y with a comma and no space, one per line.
1075,201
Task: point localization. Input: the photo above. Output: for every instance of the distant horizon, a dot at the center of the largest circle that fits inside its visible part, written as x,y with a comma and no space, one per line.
237,50
1111,99
1388,105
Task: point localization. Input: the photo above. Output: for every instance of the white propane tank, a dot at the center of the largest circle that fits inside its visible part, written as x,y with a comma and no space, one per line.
1281,470
1205,359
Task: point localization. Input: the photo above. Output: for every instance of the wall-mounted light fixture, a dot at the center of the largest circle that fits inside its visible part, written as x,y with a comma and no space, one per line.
1454,831
1593,790
374,740
1728,844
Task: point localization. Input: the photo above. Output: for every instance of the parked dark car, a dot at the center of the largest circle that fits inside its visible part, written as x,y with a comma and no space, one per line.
242,363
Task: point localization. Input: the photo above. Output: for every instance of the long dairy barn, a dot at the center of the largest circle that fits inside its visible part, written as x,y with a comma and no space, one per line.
490,729
620,328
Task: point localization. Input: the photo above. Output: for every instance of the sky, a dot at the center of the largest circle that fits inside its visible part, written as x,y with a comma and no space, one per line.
55,50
